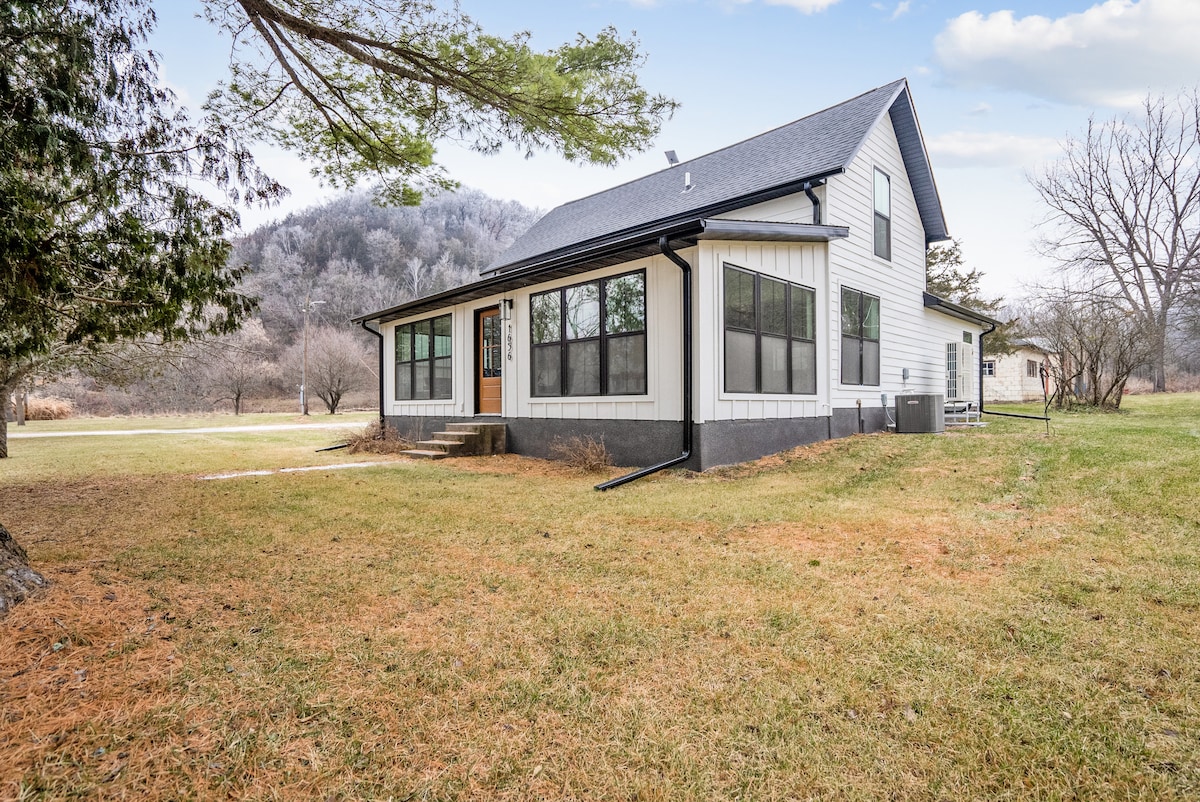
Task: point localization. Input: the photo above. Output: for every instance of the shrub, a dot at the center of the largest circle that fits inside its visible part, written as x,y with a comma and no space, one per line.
1184,383
585,454
378,438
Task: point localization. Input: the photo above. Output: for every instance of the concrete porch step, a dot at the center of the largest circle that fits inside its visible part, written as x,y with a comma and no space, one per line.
424,453
453,448
492,437
462,440
463,437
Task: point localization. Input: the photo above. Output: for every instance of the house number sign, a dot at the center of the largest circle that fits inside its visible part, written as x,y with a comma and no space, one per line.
508,343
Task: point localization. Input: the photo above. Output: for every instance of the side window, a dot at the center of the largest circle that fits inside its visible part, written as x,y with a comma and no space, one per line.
770,334
989,367
590,339
860,338
883,215
424,360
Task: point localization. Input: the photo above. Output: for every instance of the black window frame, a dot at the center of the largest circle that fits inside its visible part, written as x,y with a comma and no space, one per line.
881,221
856,334
789,337
428,363
604,339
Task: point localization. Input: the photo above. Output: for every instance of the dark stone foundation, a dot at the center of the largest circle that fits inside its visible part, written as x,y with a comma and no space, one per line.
642,443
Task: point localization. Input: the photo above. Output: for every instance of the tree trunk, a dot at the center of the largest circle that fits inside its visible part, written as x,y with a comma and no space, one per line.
1159,359
17,579
4,435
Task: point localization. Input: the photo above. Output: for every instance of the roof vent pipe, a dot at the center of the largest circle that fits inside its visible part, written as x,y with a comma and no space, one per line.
687,182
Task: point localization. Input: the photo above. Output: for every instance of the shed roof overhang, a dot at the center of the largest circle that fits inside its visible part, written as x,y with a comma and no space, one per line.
641,244
938,304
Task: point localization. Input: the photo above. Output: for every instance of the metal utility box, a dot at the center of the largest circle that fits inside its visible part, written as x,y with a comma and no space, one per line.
920,413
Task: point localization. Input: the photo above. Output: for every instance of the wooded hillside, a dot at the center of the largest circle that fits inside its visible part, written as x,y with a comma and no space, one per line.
341,259
355,257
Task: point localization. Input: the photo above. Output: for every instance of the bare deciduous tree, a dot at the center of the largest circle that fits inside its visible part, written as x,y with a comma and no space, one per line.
237,365
1096,344
1124,207
338,362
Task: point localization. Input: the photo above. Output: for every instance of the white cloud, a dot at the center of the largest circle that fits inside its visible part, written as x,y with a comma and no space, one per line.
1111,54
974,149
900,10
805,6
980,110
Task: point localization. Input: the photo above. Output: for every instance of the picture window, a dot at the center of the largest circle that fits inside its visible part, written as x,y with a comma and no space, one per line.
770,334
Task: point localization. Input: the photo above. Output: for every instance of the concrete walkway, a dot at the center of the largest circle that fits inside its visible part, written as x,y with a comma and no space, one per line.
16,434
337,466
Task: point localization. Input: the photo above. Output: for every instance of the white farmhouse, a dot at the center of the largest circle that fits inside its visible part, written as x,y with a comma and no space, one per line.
763,296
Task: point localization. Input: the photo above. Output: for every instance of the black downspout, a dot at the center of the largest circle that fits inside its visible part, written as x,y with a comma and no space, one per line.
378,334
665,246
983,411
982,334
816,202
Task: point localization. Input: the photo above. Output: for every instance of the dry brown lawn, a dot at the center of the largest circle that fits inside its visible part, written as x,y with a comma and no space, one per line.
989,614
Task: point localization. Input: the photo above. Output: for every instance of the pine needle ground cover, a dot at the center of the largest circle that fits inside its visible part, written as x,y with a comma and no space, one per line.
993,613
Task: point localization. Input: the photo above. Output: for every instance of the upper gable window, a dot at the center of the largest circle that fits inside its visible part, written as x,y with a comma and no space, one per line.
883,215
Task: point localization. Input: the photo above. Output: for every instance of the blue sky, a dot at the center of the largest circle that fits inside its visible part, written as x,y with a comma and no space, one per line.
997,85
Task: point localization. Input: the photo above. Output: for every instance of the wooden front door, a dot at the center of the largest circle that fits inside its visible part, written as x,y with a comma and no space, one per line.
488,355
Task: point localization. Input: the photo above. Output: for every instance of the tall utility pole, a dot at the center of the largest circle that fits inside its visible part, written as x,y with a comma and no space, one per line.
308,305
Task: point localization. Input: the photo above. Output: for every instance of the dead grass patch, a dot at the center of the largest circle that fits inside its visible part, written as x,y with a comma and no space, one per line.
899,618
37,408
85,661
515,465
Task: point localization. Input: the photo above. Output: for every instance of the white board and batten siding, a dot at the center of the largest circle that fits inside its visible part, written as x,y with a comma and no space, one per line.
433,408
664,350
664,353
797,263
794,208
911,336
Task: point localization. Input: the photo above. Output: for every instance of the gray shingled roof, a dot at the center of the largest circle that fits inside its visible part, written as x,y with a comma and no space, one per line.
816,146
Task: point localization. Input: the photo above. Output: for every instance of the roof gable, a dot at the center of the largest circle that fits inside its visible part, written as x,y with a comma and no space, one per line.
771,164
